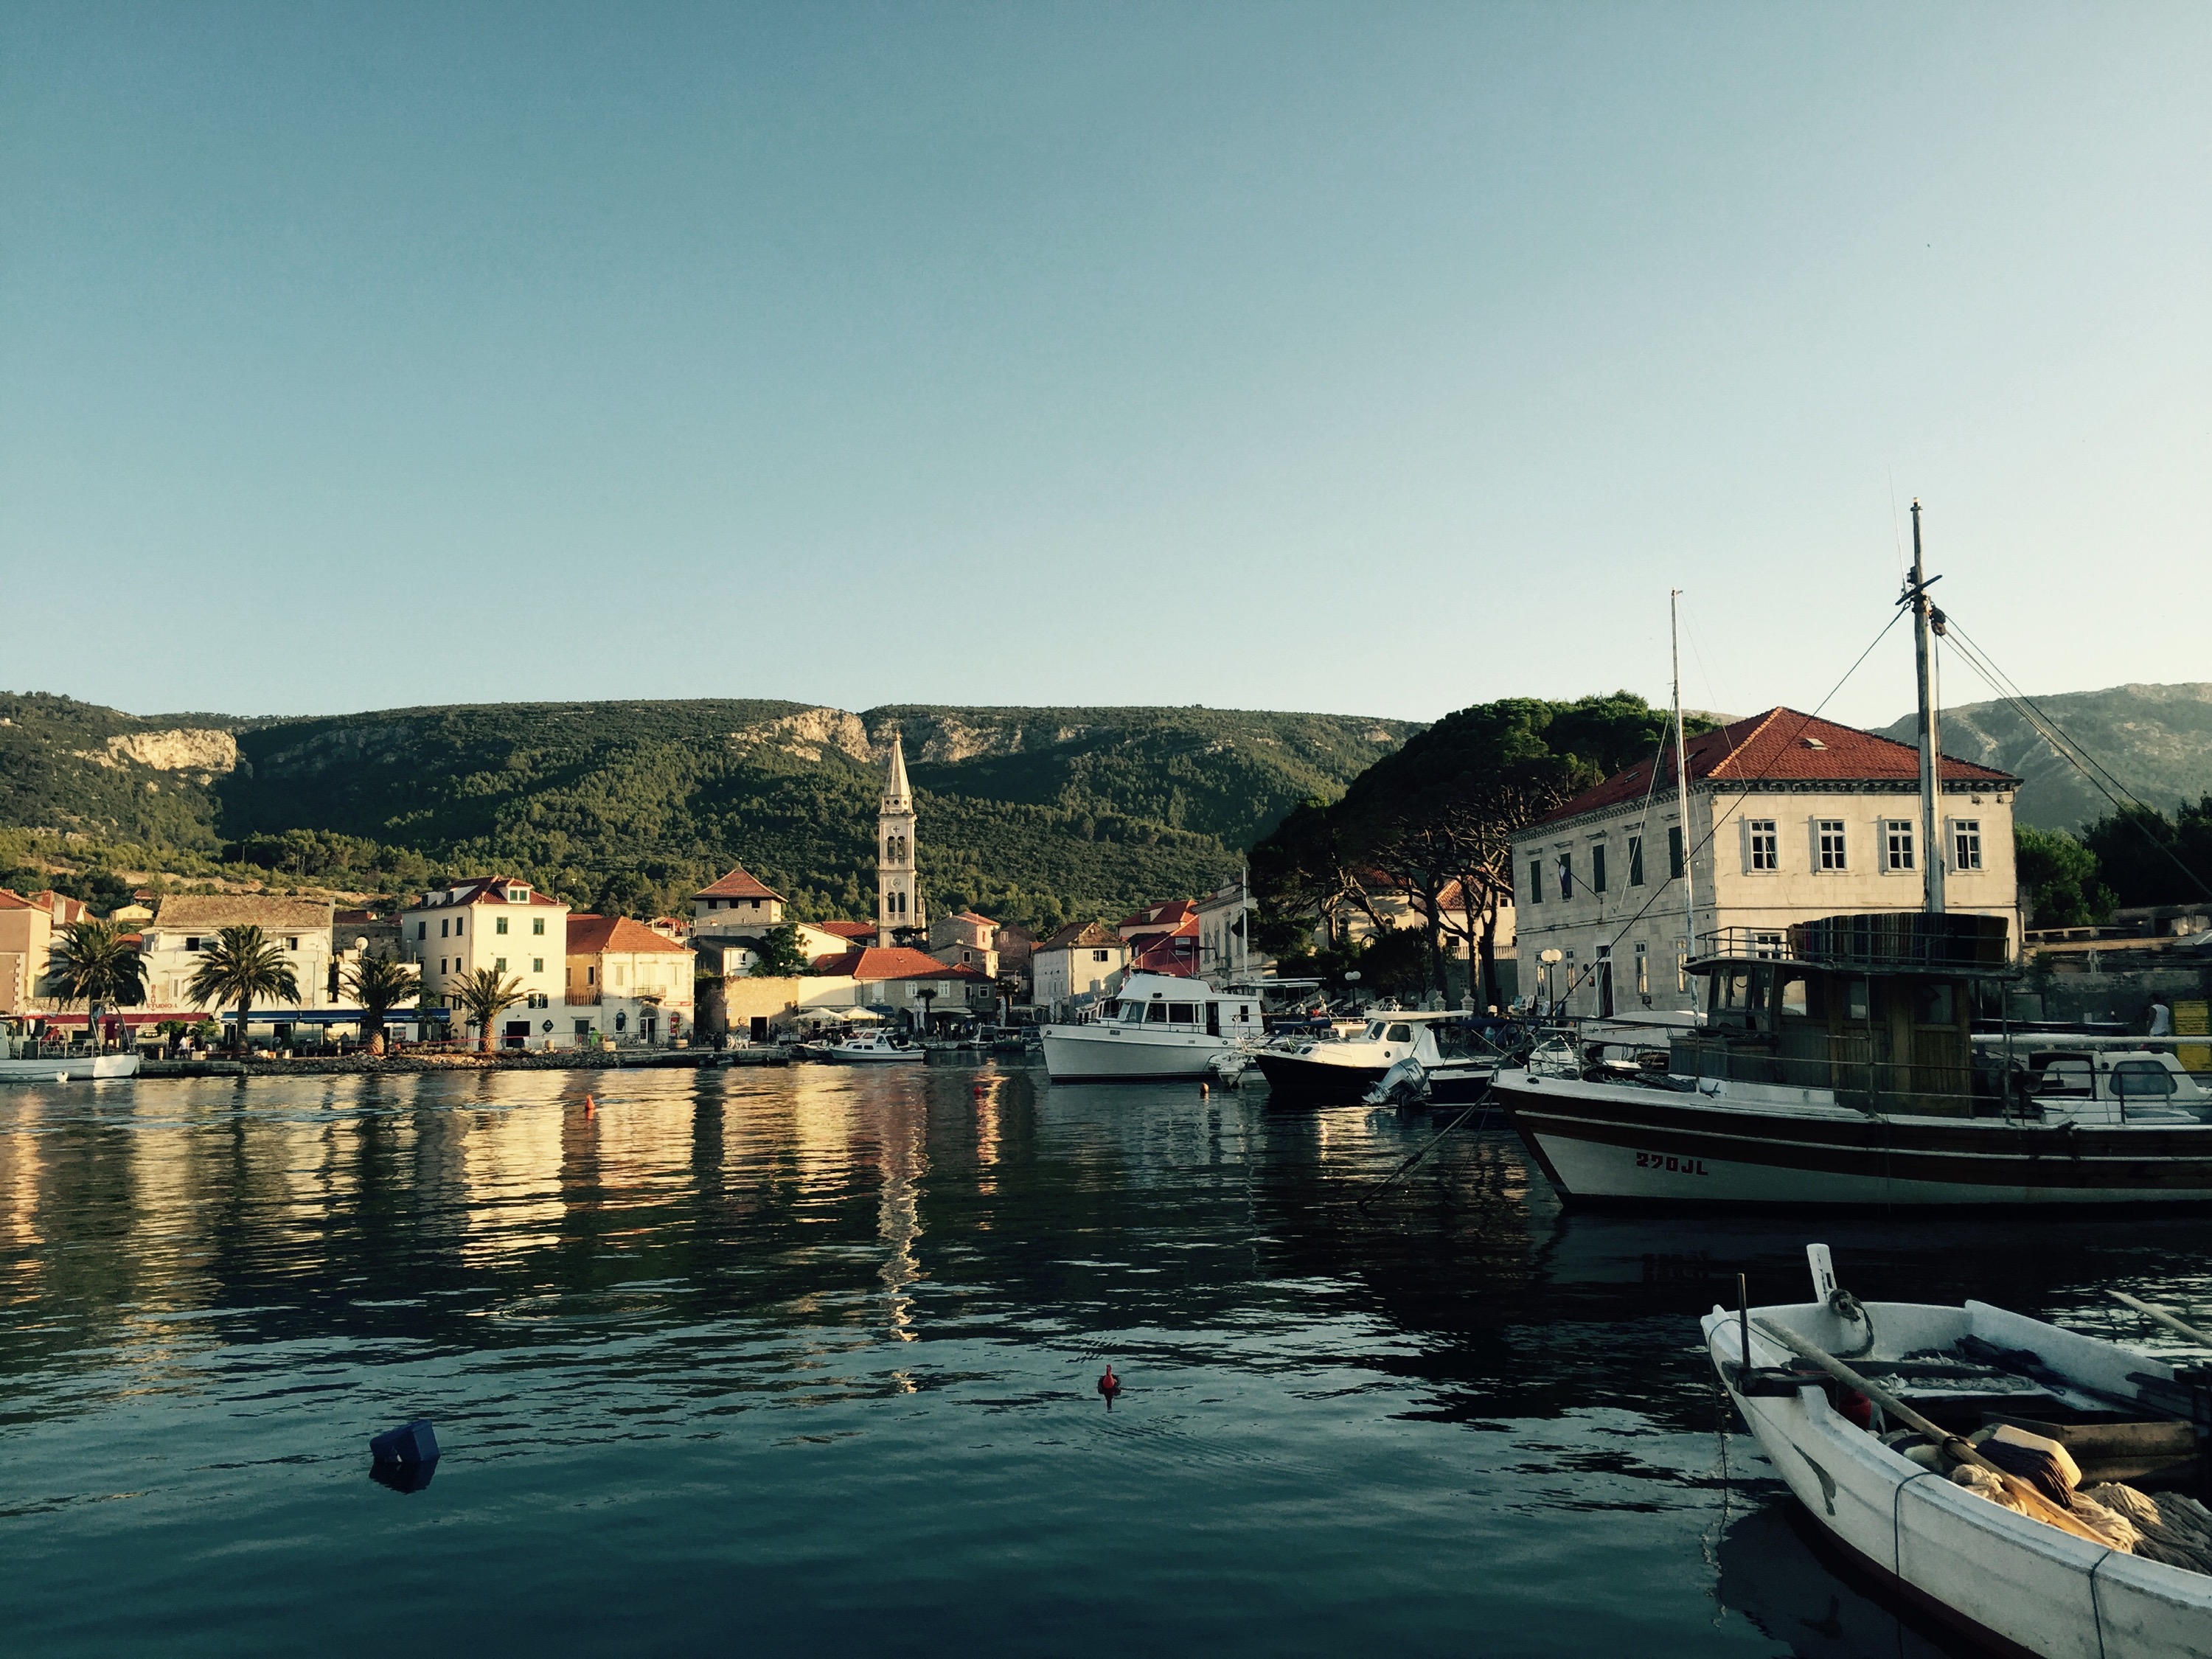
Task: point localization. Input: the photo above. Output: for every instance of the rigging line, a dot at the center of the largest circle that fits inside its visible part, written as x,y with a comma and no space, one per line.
2009,688
1743,794
2049,730
2051,733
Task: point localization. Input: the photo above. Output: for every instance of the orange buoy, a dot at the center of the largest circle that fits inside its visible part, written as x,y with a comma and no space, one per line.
1110,1385
589,1108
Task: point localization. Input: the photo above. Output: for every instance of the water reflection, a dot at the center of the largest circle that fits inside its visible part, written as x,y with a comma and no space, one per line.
827,1340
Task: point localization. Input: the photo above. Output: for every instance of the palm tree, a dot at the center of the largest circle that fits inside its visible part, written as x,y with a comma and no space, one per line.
239,967
483,996
93,963
380,984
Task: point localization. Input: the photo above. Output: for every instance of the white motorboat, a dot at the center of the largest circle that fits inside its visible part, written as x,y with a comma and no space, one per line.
1160,1028
2021,1584
1345,1068
870,1048
78,1068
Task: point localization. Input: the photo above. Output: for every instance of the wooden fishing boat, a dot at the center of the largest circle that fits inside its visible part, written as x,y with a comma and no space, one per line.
1839,1067
2020,1585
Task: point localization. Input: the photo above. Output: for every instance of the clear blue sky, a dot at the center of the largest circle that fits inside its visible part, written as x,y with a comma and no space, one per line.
1381,359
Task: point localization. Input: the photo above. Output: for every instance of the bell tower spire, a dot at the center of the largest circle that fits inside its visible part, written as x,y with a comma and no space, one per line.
898,901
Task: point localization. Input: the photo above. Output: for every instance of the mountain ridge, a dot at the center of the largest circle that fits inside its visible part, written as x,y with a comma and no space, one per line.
2155,739
1042,811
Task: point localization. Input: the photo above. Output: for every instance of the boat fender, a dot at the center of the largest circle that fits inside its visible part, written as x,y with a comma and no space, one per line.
1108,1386
1856,1408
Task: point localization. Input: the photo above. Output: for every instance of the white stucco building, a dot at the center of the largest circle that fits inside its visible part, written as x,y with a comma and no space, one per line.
1790,819
496,923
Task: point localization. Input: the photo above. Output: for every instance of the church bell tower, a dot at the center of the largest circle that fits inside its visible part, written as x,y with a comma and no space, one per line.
898,903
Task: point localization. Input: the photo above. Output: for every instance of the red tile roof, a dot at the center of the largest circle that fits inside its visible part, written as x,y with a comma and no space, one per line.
1780,746
878,962
1156,918
12,900
484,890
851,930
739,883
61,909
1081,933
591,936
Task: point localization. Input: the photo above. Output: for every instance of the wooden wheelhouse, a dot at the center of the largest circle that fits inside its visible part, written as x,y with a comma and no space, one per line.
1874,1009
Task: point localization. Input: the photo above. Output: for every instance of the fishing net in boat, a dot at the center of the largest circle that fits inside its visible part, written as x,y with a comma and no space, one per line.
2170,1527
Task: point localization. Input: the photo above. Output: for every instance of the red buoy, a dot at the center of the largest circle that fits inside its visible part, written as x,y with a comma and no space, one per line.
1110,1385
588,1107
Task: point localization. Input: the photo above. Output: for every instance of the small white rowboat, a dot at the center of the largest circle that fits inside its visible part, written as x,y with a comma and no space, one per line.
2019,1585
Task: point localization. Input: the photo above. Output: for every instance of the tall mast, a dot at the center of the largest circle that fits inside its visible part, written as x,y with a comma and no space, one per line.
1931,824
1682,774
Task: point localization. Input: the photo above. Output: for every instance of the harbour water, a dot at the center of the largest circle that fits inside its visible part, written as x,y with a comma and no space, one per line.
803,1359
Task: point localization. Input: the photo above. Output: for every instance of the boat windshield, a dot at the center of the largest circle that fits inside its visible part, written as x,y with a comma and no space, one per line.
1375,1031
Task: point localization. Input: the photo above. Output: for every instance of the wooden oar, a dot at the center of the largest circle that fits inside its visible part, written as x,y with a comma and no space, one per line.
2034,1503
2151,1311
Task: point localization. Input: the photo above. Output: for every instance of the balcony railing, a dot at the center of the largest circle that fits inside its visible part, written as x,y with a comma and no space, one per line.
1884,941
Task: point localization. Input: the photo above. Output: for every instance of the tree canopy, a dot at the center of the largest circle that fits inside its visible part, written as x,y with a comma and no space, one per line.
1440,814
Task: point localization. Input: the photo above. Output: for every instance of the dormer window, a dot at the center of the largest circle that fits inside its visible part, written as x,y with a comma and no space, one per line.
518,896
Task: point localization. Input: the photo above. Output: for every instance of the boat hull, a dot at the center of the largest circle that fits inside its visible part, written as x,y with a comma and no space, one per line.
1111,1054
84,1068
1613,1143
1292,1077
2013,1583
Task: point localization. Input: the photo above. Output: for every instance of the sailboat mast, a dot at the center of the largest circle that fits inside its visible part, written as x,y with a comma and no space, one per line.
1931,823
1682,774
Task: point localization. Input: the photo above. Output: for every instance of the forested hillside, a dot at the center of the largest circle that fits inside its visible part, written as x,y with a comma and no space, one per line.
1035,814
2156,740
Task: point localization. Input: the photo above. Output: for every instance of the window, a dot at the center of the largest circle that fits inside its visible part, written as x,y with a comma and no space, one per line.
1675,852
441,965
499,925
538,965
1567,876
1401,1033
591,975
1965,843
444,924
1763,848
538,926
1828,844
459,922
583,1028
1182,1013
1099,956
422,930
292,942
618,976
1535,881
1857,1000
2132,1078
499,964
1932,1005
1794,997
518,896
1897,845
1642,970
1636,860
192,944
1597,867
1766,945
1156,1014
